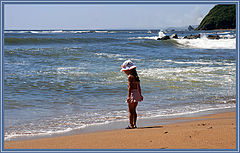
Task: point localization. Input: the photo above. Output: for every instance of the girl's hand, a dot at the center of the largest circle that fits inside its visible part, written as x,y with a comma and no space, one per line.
128,99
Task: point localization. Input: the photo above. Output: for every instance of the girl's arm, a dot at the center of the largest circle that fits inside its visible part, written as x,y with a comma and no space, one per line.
139,90
130,80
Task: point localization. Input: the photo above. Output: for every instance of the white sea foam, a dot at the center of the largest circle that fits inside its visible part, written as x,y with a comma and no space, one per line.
161,34
50,31
228,41
109,55
228,36
122,116
24,32
42,132
191,74
47,31
119,57
223,32
153,38
68,68
34,31
9,31
57,31
68,123
185,110
205,43
200,62
78,31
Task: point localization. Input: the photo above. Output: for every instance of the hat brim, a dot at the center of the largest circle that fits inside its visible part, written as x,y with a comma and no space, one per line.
132,67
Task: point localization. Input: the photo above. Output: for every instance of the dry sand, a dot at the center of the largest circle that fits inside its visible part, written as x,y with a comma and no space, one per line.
216,131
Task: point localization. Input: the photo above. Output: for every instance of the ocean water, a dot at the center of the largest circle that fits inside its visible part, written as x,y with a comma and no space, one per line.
58,81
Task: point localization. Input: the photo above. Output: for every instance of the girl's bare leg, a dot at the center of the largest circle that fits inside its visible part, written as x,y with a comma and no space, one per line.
130,109
135,115
132,113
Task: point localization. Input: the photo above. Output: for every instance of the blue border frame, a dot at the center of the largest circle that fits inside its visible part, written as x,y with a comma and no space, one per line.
127,2
237,76
2,69
135,2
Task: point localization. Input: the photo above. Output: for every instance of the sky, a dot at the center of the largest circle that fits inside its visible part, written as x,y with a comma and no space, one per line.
107,16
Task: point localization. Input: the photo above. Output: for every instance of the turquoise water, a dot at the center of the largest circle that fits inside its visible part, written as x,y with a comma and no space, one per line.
58,81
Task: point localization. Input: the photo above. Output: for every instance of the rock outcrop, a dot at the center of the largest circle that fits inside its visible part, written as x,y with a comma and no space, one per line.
219,17
192,36
164,38
213,37
174,36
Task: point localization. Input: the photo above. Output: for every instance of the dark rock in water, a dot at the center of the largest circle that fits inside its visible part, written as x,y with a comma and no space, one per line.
164,38
192,36
174,36
213,37
190,28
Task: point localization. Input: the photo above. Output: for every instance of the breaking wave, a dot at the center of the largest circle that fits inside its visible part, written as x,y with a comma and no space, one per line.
205,43
227,42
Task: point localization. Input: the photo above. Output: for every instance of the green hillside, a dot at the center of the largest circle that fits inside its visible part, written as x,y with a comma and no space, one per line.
219,17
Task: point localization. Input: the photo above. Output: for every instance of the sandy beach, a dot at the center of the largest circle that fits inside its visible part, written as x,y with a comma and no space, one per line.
216,131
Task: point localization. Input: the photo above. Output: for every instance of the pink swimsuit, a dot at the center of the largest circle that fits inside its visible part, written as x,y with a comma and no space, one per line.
135,96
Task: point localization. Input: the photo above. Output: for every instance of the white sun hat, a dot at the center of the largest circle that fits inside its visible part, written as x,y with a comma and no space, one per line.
127,65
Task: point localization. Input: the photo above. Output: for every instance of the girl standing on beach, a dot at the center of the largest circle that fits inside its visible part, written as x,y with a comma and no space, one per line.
134,91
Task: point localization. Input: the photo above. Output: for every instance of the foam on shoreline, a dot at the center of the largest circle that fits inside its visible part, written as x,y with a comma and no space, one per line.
118,124
216,131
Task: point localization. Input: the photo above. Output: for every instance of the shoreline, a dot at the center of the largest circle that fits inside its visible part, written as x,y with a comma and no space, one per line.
214,131
121,124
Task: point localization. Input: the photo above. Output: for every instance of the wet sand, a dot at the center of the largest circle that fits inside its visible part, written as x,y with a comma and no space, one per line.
217,131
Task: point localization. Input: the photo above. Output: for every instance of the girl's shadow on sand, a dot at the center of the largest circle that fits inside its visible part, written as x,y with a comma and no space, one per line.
150,127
